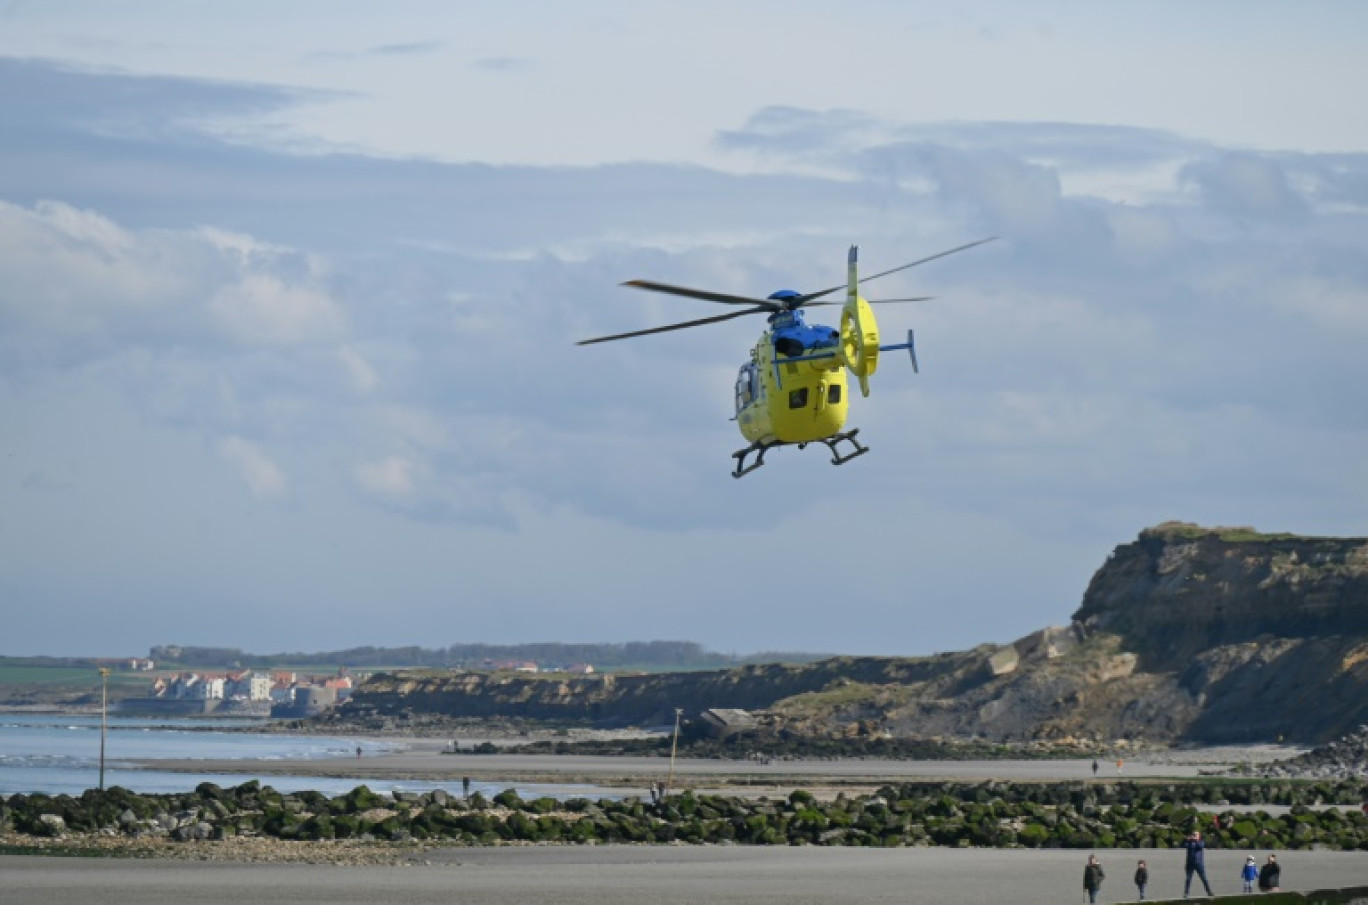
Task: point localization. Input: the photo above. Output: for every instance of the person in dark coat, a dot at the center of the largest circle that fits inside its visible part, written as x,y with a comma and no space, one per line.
1270,875
1141,878
1093,877
1196,862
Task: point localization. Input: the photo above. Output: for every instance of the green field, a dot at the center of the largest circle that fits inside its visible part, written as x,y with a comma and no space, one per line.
39,684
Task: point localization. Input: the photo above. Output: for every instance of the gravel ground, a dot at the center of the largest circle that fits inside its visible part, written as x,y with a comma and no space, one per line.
619,875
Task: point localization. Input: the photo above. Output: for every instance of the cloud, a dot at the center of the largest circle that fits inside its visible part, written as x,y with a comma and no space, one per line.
263,477
1244,185
261,308
76,279
47,97
391,477
362,374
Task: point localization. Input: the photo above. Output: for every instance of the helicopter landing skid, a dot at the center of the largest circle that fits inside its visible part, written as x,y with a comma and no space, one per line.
831,443
742,469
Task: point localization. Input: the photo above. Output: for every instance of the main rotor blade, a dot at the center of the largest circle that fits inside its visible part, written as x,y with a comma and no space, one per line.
669,327
807,299
704,294
915,298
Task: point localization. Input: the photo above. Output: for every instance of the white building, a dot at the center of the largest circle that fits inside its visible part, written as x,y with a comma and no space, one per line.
259,687
206,689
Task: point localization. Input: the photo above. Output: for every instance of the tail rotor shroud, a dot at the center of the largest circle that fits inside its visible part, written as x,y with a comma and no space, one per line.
859,328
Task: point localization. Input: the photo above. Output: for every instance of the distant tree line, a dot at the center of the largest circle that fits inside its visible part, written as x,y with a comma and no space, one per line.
647,654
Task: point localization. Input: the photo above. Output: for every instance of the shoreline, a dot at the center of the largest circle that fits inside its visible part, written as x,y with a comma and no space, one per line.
425,760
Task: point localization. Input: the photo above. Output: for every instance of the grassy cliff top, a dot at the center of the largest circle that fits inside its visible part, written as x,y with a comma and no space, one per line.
1239,534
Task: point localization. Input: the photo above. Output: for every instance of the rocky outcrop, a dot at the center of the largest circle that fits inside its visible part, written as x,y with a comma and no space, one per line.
1344,758
1266,634
1213,635
1180,590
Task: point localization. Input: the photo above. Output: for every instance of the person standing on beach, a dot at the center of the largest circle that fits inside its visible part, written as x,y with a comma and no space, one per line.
1093,877
1196,863
1270,875
1248,874
1094,768
1141,878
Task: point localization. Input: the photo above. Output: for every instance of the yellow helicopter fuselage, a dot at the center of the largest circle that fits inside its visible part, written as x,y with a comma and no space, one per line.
781,401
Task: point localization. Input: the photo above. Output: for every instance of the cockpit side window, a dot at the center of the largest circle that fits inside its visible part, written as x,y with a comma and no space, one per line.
745,386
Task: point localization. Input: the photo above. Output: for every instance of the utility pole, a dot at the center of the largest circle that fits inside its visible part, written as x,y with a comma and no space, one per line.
674,746
104,709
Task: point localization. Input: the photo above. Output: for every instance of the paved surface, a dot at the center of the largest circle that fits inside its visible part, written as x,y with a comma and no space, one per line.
618,875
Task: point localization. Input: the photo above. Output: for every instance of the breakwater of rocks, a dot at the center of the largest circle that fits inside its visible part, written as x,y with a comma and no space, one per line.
993,814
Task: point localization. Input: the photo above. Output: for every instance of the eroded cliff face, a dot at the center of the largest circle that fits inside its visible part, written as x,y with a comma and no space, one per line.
1179,590
1267,634
1186,634
628,699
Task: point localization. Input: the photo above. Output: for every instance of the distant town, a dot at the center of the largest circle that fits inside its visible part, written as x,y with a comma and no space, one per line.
277,692
244,691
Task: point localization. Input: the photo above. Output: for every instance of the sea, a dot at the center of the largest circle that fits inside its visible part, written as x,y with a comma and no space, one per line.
59,754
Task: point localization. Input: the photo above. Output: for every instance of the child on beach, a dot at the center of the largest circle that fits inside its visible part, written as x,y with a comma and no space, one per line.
1141,878
1249,873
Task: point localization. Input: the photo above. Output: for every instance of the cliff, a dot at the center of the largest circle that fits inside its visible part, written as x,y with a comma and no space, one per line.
1180,590
1186,634
623,699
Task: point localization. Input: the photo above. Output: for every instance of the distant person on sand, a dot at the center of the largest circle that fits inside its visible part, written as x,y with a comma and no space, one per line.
1093,877
1141,878
1196,863
1119,764
1270,875
1094,768
1248,874
358,750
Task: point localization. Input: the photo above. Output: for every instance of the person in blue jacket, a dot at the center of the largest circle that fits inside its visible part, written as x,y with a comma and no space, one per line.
1196,862
1248,874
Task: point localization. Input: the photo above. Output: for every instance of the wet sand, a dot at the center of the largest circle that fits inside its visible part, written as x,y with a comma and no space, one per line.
424,760
618,875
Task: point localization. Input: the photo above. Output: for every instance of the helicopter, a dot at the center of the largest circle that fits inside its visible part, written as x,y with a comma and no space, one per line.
793,390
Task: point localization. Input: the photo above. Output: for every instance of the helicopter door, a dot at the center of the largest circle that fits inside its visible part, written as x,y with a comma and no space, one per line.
747,386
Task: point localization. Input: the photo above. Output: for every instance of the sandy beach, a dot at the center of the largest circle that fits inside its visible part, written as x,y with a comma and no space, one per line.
609,875
425,760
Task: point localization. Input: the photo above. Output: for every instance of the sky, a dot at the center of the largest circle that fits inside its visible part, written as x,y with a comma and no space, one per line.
289,297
